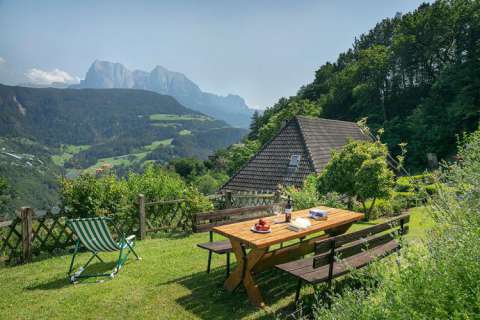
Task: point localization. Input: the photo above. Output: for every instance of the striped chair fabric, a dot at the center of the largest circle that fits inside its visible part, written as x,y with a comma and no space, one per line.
94,234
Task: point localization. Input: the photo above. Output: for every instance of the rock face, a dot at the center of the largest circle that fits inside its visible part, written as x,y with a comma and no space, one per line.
108,75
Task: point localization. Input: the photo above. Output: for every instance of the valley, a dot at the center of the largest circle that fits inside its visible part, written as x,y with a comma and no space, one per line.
49,133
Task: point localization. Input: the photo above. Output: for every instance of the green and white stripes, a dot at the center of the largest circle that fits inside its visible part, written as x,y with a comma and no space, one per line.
94,234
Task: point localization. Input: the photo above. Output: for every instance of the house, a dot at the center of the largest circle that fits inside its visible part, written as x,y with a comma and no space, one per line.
302,147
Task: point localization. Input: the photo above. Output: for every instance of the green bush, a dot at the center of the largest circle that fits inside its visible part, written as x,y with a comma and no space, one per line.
406,199
309,197
188,168
387,207
210,182
435,279
6,196
89,196
415,189
404,184
359,170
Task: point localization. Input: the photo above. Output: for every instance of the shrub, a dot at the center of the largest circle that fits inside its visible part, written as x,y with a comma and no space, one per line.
359,170
305,197
188,167
309,197
210,182
6,196
435,279
156,183
89,196
415,189
406,199
404,184
387,207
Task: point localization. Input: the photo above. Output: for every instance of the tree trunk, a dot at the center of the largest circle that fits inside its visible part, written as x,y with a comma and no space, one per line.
371,208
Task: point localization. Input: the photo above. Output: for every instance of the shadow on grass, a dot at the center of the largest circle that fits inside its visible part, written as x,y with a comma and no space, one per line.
209,300
170,235
94,268
366,223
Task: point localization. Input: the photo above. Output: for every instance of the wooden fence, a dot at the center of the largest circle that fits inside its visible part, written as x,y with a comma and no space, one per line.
178,214
30,234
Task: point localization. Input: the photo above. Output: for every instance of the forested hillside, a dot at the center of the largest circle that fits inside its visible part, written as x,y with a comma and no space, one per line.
48,132
416,75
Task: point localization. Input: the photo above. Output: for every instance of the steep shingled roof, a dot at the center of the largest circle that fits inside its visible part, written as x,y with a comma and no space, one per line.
311,138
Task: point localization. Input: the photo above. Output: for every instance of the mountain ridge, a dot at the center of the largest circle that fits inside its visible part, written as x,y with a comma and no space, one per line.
114,75
48,132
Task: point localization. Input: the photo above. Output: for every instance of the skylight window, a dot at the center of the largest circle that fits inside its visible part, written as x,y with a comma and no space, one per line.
294,160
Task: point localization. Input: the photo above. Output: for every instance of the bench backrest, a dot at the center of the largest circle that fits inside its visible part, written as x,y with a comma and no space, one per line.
205,221
347,245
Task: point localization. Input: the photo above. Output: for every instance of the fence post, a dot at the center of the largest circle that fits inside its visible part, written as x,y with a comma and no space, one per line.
228,199
277,197
141,211
26,215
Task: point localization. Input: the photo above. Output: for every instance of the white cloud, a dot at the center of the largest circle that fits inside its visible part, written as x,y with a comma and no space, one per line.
2,60
38,76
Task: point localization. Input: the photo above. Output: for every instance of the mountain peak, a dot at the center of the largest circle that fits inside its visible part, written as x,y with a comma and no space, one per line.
160,68
106,74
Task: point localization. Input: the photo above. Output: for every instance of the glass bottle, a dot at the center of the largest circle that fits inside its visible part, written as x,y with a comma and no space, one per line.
288,210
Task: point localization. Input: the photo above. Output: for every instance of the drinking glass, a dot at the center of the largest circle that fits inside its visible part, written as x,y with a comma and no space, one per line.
277,211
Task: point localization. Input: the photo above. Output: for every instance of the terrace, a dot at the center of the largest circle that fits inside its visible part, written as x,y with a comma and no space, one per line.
169,283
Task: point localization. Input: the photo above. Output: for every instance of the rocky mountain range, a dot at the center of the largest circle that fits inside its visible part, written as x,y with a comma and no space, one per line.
107,75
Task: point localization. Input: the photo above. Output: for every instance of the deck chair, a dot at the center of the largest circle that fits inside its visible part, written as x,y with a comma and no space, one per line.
94,235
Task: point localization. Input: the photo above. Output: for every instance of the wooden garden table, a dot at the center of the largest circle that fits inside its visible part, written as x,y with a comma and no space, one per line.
259,258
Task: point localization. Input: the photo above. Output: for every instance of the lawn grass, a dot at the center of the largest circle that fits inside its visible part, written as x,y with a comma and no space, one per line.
169,283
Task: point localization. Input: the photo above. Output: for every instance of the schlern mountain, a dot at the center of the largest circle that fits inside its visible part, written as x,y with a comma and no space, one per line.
109,75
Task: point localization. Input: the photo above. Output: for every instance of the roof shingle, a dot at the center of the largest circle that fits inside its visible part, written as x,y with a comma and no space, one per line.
311,138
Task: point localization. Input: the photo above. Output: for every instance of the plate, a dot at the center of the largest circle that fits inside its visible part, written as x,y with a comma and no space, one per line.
259,231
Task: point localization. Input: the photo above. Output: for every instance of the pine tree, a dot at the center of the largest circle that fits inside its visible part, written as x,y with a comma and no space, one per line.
254,126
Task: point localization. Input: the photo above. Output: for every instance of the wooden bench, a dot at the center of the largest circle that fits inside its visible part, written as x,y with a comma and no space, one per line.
336,256
205,221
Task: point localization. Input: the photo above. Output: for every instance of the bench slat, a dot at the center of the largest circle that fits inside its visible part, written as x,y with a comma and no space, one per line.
217,246
311,275
325,245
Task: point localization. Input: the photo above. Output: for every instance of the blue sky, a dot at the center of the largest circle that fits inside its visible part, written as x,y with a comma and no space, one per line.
261,50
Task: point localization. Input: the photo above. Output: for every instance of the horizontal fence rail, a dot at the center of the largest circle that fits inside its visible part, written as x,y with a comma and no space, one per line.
29,234
178,214
33,232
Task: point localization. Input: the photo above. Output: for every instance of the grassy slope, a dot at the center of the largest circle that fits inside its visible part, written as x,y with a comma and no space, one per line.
175,117
129,158
68,151
169,283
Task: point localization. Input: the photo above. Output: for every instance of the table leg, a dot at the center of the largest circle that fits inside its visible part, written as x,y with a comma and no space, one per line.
339,230
243,272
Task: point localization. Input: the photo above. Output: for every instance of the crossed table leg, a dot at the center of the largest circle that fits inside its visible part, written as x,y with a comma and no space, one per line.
257,260
243,272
